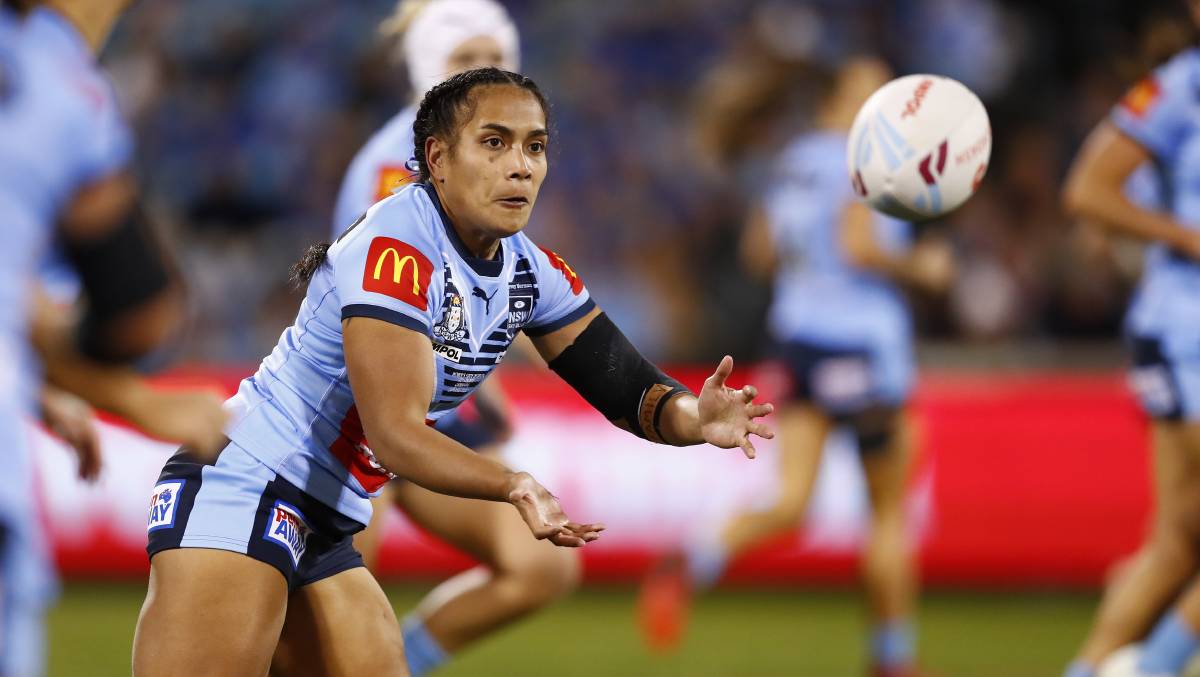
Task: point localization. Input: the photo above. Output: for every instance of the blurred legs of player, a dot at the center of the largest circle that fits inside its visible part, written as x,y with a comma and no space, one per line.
518,575
1165,562
887,568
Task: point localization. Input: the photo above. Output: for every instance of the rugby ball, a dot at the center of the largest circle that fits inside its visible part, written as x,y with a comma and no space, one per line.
919,147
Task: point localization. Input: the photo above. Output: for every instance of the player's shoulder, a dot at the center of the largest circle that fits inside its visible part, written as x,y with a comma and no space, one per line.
62,56
812,156
392,143
1183,69
409,215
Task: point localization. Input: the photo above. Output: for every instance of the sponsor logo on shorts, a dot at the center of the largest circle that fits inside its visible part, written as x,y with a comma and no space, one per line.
449,352
163,505
398,270
287,529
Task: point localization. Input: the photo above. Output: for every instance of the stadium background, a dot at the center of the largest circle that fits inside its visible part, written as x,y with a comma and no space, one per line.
665,115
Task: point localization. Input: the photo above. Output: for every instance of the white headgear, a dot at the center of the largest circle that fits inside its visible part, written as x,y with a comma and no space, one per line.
441,26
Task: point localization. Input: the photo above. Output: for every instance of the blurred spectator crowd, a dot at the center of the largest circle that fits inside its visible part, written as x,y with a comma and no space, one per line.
665,115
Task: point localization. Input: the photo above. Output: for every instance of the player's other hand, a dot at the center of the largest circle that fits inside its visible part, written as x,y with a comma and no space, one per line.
194,418
727,416
545,517
72,419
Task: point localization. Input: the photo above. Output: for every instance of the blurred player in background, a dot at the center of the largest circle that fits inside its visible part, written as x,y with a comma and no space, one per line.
64,152
1155,125
437,39
843,336
387,340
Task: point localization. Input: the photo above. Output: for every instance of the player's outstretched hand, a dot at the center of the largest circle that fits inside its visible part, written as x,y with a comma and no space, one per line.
72,419
727,415
545,517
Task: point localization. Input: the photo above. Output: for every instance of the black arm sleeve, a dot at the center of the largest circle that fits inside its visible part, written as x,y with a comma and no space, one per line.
119,270
604,367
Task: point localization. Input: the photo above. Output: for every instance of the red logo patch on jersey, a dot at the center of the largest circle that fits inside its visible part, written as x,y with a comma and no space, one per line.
1142,96
352,450
398,270
562,266
392,177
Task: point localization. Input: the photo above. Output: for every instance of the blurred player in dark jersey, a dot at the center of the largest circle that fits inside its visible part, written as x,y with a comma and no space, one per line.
842,336
1155,126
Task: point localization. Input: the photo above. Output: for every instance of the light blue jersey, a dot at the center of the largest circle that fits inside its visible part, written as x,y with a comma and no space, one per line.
819,297
404,264
381,167
1162,114
60,130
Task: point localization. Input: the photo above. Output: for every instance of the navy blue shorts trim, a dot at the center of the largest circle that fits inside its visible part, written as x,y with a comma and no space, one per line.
237,504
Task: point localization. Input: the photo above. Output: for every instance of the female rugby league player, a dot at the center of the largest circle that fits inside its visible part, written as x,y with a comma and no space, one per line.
389,338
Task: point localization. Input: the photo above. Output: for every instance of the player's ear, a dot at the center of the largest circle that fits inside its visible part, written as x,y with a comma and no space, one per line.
436,153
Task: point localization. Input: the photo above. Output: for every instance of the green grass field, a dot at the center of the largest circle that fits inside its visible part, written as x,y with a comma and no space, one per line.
756,633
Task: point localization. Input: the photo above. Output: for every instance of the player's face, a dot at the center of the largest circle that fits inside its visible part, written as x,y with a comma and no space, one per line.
489,179
477,52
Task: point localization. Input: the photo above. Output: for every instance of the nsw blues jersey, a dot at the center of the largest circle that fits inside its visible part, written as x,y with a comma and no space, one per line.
404,264
59,131
818,295
381,167
1162,113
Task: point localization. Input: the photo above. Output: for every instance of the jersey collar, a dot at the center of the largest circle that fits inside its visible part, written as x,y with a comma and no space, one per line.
487,267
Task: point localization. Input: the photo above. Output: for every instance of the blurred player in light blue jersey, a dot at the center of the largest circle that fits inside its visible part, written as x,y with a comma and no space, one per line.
63,155
405,314
843,337
1157,124
63,152
439,38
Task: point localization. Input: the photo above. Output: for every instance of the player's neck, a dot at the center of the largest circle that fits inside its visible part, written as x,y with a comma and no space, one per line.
93,19
479,244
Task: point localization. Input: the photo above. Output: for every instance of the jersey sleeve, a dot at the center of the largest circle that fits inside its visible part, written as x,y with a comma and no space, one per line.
105,143
562,297
1156,112
388,277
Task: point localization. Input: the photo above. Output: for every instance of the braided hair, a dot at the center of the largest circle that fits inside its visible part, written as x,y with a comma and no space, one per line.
449,105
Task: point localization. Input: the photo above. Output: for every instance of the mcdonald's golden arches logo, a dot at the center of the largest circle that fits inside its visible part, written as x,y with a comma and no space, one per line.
399,270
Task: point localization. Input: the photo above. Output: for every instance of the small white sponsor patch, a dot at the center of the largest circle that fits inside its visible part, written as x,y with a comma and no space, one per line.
163,504
449,352
287,529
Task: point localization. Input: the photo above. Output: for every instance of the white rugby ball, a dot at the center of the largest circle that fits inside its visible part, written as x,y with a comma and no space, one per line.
919,147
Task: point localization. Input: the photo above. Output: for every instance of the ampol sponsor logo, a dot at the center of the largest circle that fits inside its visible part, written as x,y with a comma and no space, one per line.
449,352
163,504
287,529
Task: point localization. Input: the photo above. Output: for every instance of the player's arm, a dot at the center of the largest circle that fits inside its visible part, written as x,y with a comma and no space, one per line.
928,265
1094,190
133,297
193,417
756,249
594,357
391,370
